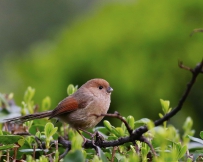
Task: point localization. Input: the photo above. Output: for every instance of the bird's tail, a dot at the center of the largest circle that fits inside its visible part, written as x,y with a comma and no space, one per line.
22,119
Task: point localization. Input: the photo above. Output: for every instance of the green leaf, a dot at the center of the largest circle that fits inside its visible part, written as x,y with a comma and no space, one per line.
21,141
142,121
102,130
49,130
161,115
108,125
74,156
46,103
124,128
6,147
31,150
71,89
188,124
165,105
29,94
76,141
130,121
102,155
195,139
115,132
182,152
3,99
9,139
201,134
120,131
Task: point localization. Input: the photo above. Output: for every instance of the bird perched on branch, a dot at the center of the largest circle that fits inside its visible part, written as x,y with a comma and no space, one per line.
78,109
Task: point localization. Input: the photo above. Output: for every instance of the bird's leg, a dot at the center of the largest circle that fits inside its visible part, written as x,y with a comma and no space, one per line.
98,136
84,139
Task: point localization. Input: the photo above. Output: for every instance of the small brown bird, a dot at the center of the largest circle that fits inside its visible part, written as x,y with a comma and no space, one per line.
78,109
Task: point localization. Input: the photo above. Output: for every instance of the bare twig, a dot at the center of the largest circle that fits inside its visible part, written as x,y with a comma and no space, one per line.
113,153
117,115
196,31
144,139
66,144
64,154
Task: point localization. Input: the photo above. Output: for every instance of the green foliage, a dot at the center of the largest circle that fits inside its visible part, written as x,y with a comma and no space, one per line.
165,108
46,103
28,103
134,45
166,140
71,89
49,131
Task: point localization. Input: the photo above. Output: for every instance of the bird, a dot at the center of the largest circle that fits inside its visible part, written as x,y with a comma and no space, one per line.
82,110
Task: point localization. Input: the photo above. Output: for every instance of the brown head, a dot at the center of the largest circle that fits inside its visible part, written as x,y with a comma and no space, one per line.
98,87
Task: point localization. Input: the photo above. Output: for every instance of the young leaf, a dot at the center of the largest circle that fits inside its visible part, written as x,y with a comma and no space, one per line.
188,124
142,121
29,93
49,130
201,134
71,89
46,103
182,152
108,125
165,105
130,121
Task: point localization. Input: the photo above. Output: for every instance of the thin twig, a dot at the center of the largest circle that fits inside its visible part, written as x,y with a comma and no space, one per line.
117,115
136,148
113,153
144,139
64,154
66,144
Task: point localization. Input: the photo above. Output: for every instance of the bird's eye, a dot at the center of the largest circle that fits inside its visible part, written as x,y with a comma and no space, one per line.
100,87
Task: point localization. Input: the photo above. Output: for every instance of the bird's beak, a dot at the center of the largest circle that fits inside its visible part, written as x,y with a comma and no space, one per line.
109,89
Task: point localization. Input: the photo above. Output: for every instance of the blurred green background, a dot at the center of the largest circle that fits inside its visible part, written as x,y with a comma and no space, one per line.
135,45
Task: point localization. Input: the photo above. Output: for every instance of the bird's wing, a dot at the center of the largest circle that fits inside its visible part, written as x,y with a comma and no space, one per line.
69,104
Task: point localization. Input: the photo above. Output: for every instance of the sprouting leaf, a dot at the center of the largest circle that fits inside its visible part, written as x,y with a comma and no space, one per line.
143,121
161,115
188,123
46,103
29,94
108,125
49,130
165,105
182,152
120,131
201,134
131,121
71,89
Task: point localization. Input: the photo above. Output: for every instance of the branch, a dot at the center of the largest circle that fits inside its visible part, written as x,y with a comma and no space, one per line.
137,133
117,115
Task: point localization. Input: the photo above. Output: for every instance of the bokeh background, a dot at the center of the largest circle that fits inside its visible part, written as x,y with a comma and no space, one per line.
135,45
